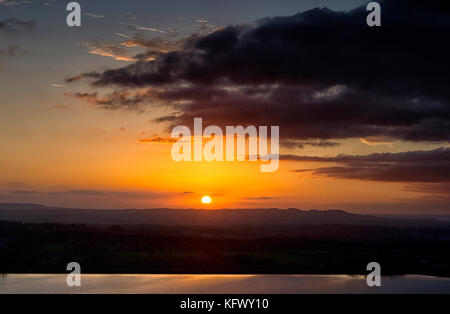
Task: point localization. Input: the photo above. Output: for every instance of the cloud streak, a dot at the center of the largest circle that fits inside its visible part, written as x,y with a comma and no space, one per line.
158,139
13,25
118,100
431,166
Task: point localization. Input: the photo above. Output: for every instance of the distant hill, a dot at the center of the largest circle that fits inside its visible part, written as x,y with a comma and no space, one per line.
197,217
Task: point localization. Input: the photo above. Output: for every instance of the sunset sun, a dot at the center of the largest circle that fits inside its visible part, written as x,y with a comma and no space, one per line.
206,199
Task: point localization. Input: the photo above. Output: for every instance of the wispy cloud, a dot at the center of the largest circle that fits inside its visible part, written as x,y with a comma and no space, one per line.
302,144
12,25
117,52
430,188
374,141
14,2
124,51
203,25
258,198
158,139
60,107
95,16
118,100
135,27
11,51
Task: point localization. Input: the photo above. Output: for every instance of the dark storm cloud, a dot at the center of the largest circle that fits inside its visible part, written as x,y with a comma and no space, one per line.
12,25
412,166
337,112
319,74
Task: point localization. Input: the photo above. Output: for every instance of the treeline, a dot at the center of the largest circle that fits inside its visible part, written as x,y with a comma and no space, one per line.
320,249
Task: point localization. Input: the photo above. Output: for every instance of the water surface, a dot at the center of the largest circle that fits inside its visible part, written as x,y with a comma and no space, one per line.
225,284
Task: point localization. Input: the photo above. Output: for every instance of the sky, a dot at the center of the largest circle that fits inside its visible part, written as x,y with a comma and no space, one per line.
364,113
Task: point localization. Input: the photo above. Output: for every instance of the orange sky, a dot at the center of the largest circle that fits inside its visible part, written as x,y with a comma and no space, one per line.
61,148
83,149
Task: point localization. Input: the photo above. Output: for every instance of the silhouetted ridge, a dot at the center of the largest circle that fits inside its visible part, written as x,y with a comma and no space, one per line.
195,217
